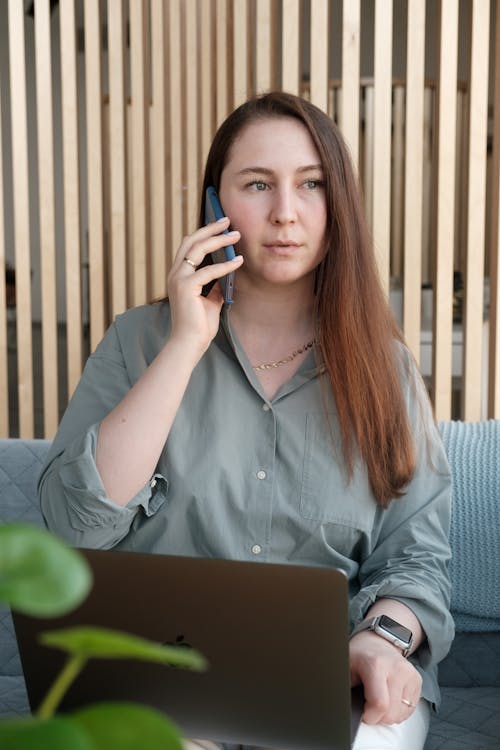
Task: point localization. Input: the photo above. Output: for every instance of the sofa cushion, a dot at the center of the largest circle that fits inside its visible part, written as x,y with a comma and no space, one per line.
21,462
469,719
474,659
472,449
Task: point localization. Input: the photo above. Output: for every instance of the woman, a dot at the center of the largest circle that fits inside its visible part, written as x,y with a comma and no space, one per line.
291,426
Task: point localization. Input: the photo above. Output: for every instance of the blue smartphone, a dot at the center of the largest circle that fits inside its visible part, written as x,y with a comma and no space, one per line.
213,212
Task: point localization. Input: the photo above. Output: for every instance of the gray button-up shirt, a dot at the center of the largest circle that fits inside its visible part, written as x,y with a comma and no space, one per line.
246,478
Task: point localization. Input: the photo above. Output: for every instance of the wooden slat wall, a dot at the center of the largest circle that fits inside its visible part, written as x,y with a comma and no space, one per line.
381,221
95,177
140,129
4,375
351,35
413,188
44,103
494,332
443,292
474,272
19,134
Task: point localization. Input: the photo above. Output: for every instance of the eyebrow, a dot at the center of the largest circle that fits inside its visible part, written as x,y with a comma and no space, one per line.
266,171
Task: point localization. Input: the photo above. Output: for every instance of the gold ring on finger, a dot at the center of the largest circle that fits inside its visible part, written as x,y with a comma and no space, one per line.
191,263
407,703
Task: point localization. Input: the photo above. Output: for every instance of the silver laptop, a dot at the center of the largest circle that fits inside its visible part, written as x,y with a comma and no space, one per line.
275,637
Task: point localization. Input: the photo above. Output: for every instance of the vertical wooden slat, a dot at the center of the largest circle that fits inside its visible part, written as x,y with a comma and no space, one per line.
443,285
382,137
192,119
117,157
139,70
413,187
207,119
349,119
264,45
241,51
368,153
319,54
397,182
21,217
494,332
71,192
290,45
45,123
158,153
93,86
474,277
221,55
175,118
4,378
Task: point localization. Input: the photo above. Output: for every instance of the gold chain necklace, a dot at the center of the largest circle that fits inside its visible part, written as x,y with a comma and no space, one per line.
286,360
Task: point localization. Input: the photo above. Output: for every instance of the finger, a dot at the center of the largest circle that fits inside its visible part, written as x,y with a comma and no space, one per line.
377,700
214,229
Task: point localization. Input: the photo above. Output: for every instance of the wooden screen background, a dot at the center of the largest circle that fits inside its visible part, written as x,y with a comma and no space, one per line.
158,79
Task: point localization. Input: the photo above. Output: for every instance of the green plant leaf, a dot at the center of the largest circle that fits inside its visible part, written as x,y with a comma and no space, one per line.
59,733
88,642
127,726
39,575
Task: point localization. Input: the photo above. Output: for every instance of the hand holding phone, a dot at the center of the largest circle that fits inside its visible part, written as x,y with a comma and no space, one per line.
214,212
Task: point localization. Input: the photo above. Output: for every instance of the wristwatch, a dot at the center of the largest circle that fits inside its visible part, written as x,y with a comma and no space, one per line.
389,629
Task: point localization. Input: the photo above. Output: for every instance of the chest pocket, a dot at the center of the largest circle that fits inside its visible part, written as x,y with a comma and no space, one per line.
327,494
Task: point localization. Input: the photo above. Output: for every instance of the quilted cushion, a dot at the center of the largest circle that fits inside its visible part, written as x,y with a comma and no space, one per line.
473,449
469,719
20,465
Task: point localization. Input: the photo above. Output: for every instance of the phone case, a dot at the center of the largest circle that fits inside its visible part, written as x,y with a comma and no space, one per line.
213,212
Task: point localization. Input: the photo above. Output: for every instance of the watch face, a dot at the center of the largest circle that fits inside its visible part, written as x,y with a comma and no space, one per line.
393,627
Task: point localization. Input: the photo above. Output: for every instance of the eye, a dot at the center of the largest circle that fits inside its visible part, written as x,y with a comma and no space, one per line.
257,185
313,184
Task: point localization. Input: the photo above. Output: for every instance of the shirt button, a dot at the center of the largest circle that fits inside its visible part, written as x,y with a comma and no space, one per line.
261,474
256,549
265,407
152,484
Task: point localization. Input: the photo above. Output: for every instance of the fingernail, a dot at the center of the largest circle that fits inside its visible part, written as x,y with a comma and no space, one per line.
237,257
232,232
223,218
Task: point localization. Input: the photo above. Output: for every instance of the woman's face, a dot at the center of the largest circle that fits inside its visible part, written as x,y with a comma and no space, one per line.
272,189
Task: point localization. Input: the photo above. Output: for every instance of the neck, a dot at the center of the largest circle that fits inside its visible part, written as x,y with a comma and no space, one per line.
282,312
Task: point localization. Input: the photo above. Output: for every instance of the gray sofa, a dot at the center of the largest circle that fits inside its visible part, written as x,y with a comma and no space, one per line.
469,718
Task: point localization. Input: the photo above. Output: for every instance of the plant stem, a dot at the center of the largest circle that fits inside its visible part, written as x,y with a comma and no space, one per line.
69,672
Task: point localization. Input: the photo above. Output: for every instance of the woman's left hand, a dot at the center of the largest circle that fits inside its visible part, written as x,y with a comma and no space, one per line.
391,683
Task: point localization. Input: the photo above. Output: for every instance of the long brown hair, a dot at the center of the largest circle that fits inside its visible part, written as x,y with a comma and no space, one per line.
357,333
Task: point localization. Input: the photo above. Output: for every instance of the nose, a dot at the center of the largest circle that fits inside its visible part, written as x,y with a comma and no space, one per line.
283,206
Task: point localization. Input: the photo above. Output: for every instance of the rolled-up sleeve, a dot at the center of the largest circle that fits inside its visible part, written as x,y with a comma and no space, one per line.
74,502
410,552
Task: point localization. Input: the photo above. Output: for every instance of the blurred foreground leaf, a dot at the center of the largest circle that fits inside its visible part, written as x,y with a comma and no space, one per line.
39,575
127,726
88,642
59,733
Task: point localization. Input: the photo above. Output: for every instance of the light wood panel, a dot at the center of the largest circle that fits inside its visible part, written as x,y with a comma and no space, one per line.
319,54
19,134
157,153
95,178
4,379
139,106
474,273
71,172
207,108
174,125
117,158
494,332
240,51
46,198
443,285
381,219
191,119
221,58
290,45
349,113
413,185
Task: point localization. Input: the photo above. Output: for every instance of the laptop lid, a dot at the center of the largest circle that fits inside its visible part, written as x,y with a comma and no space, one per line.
275,637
